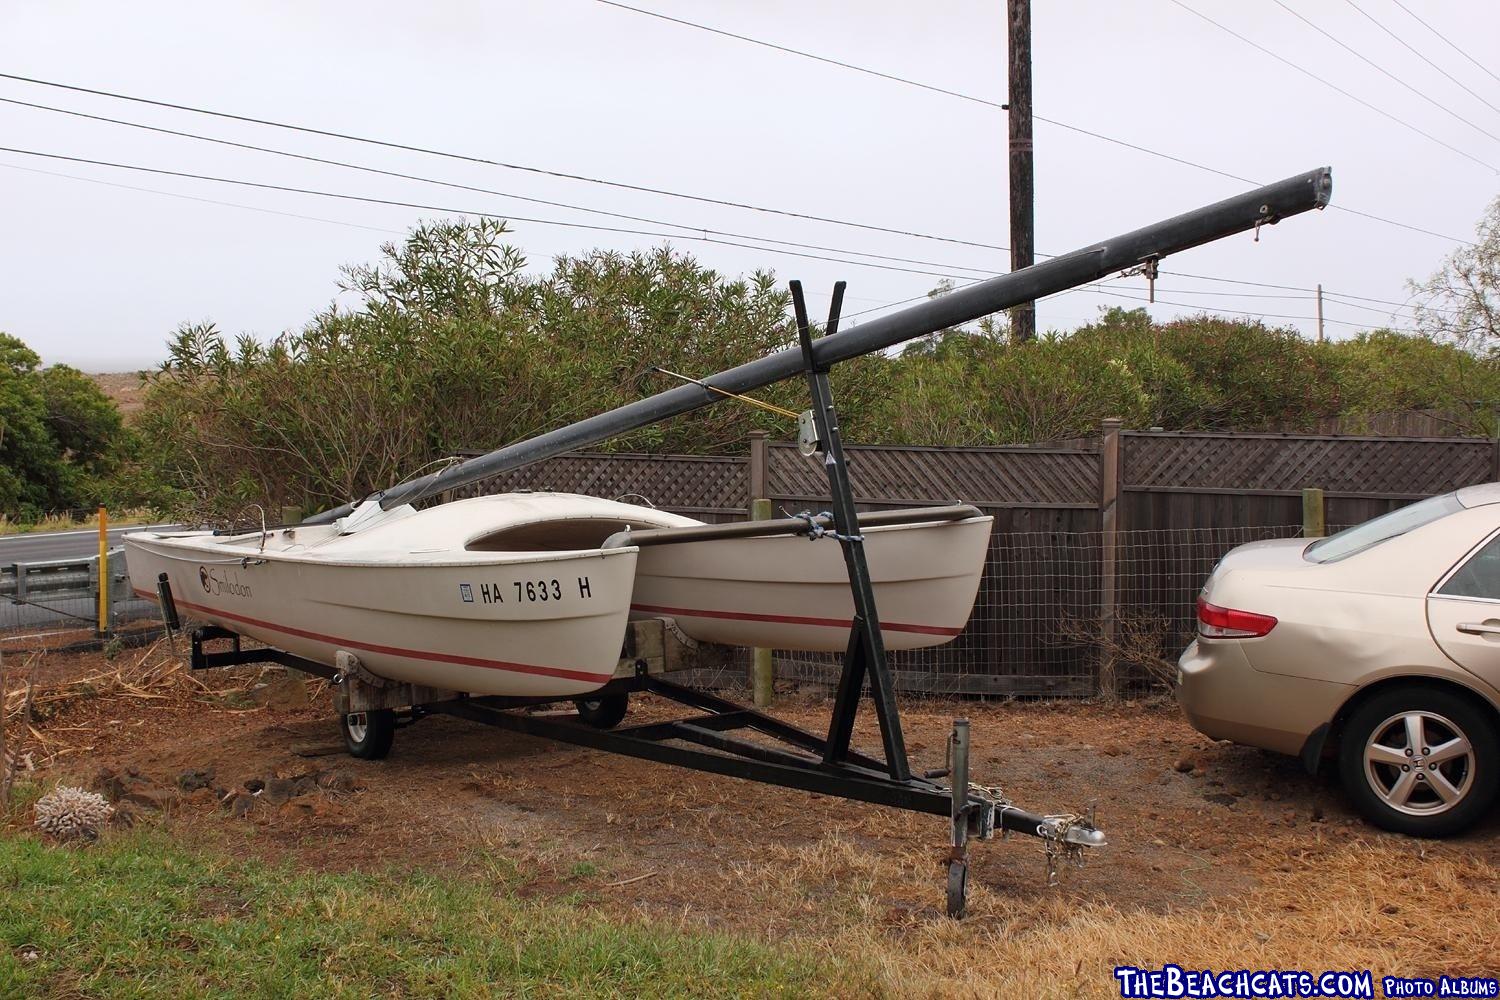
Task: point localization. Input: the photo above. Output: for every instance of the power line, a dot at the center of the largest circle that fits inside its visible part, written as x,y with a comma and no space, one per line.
1333,86
677,194
1451,44
426,151
1393,313
204,201
1366,59
1414,51
614,229
1050,121
1292,288
468,187
1403,225
1093,287
351,225
567,205
1242,312
807,55
464,211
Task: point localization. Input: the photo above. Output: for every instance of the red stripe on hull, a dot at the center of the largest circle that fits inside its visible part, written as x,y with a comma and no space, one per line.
741,616
415,654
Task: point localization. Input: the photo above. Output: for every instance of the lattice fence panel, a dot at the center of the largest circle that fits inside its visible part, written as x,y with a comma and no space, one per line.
1382,466
678,482
975,475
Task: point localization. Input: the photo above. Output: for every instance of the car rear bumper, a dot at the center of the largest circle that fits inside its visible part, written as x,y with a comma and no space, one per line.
1225,698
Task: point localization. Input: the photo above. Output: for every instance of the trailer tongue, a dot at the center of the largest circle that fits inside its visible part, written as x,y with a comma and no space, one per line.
784,755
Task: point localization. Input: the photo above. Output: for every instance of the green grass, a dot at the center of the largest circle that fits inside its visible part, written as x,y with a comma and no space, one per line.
135,915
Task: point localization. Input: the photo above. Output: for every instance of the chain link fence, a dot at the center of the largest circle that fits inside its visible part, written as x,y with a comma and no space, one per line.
1041,625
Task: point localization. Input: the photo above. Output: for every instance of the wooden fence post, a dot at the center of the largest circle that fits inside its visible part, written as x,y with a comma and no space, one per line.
1314,514
762,665
1109,528
760,461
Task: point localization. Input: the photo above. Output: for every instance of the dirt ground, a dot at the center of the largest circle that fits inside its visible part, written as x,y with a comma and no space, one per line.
1217,853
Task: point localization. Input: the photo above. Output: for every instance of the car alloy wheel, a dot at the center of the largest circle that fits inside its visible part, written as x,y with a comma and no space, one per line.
1419,763
1420,759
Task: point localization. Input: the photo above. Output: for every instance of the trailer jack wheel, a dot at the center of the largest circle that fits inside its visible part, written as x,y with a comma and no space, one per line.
604,711
958,888
368,735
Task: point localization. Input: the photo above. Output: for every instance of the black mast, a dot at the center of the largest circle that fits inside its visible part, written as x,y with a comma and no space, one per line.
1148,245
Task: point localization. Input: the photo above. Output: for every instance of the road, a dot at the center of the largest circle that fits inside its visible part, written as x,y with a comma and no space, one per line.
42,546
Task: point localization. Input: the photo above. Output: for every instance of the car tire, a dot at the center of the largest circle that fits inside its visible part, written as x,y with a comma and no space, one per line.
603,711
368,735
1441,786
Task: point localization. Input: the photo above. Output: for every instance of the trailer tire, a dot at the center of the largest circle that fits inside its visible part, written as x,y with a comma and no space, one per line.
368,735
604,711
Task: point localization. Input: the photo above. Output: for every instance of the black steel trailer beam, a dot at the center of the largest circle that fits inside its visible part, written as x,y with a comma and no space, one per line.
846,782
235,656
758,721
1147,245
747,761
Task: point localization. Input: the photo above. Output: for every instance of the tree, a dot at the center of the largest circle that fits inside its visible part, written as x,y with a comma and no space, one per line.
83,421
59,434
1460,303
455,347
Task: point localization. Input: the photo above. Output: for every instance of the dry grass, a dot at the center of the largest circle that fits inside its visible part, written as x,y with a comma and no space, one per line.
153,674
1389,909
73,521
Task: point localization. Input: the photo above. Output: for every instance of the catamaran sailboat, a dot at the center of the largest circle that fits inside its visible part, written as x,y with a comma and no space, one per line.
528,594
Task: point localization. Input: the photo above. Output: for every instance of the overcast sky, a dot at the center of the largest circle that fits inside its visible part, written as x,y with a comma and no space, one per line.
98,275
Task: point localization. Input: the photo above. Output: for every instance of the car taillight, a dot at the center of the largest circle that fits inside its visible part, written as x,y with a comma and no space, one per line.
1215,622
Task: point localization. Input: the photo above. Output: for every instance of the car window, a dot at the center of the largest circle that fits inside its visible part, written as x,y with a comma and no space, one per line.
1479,577
1387,526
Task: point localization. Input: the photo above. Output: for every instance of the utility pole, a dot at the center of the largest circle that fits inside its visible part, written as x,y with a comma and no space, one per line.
1022,231
1320,313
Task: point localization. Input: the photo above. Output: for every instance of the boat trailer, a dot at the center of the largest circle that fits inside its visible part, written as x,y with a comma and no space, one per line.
711,740
784,755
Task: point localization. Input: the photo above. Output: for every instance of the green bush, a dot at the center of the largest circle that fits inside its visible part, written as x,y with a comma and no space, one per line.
61,438
454,346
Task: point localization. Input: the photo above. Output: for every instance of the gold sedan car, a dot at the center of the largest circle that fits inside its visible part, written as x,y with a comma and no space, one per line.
1378,647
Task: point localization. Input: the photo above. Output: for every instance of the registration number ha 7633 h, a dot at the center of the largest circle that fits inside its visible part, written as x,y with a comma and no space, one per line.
523,591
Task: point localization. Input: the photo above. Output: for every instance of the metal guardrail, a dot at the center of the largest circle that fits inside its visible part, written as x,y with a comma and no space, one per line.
64,588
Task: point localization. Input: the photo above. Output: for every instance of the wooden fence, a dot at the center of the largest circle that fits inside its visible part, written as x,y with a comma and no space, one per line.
1092,537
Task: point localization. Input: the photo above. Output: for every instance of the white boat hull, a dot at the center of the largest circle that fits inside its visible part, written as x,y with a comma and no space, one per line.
528,595
479,626
787,592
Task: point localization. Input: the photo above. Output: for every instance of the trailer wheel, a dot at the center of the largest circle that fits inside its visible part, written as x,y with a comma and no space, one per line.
958,888
604,711
368,735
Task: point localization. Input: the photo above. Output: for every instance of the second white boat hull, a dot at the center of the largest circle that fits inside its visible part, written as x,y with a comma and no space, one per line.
789,592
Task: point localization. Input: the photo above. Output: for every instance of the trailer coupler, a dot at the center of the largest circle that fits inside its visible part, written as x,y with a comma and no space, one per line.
978,810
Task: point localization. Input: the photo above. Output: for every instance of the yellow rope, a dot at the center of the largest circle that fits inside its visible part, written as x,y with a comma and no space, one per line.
733,395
